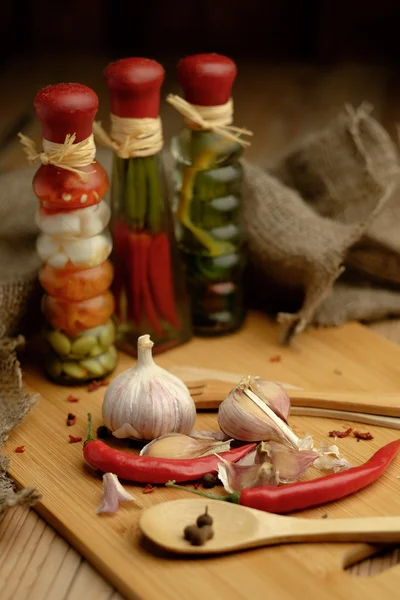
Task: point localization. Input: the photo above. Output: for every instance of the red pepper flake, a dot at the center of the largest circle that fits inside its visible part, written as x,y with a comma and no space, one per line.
71,419
72,398
148,489
196,486
340,434
275,358
363,435
20,449
95,385
74,440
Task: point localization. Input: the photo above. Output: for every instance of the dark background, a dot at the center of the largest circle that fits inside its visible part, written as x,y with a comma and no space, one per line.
299,61
299,30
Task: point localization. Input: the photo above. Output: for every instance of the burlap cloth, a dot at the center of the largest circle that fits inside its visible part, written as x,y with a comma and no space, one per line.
330,203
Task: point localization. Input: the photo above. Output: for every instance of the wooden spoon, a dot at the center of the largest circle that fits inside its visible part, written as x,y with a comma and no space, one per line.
237,527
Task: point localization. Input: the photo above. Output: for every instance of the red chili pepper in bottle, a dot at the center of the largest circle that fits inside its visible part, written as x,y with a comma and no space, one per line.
148,469
160,275
305,494
149,272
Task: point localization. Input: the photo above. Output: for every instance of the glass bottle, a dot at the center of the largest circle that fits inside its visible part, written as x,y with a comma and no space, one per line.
149,284
74,244
208,178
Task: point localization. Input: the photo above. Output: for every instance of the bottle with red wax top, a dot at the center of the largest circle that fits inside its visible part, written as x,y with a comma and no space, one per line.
208,179
149,283
74,245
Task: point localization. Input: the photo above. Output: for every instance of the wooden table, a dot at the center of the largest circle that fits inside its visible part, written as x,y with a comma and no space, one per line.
286,102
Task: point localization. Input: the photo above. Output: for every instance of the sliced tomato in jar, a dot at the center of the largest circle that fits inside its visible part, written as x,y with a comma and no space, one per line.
78,284
59,188
74,317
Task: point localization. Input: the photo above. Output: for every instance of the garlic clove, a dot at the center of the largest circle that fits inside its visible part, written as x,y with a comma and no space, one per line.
146,401
113,494
237,477
177,445
273,394
289,463
218,436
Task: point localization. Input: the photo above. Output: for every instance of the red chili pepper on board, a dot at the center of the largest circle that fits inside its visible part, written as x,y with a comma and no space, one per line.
149,469
160,275
305,494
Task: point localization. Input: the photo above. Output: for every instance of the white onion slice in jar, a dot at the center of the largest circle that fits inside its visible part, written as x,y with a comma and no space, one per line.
84,253
82,222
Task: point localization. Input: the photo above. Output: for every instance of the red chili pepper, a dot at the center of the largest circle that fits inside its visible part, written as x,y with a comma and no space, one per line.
160,275
304,494
144,244
120,239
146,469
134,288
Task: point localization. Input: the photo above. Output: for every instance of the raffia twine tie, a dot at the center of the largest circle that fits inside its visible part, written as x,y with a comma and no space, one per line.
131,137
212,118
68,156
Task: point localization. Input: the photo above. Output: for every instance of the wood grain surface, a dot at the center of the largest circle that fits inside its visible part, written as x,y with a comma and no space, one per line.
287,101
113,544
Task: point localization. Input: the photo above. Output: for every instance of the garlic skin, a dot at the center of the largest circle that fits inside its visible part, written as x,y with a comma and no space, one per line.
248,417
146,401
113,494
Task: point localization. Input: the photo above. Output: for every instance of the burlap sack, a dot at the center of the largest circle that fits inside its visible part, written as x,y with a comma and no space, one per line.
18,294
329,198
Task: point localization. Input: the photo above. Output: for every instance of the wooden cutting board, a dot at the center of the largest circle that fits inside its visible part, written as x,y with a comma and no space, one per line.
140,571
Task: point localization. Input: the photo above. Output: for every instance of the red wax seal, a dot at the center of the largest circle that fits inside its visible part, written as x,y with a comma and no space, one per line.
207,79
134,85
66,108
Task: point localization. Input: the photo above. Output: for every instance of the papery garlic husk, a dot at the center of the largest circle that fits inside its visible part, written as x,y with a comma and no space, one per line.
146,401
237,477
177,445
329,459
113,494
290,464
242,419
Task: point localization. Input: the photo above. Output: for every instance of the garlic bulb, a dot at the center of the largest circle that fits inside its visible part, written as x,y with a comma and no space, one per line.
256,410
147,401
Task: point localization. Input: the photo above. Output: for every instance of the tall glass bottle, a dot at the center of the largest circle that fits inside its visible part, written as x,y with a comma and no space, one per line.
74,243
208,186
149,284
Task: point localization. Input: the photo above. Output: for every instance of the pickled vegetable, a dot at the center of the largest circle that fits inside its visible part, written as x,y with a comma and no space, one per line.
83,222
59,188
88,344
74,317
77,284
75,372
83,253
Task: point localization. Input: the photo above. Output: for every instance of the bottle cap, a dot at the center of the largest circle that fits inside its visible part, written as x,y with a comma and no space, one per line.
207,79
66,108
134,85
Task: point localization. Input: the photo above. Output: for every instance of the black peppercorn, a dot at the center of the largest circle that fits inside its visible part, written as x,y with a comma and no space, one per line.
103,432
204,519
209,480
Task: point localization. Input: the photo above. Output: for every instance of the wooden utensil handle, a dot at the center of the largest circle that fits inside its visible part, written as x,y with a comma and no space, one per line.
368,529
214,392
